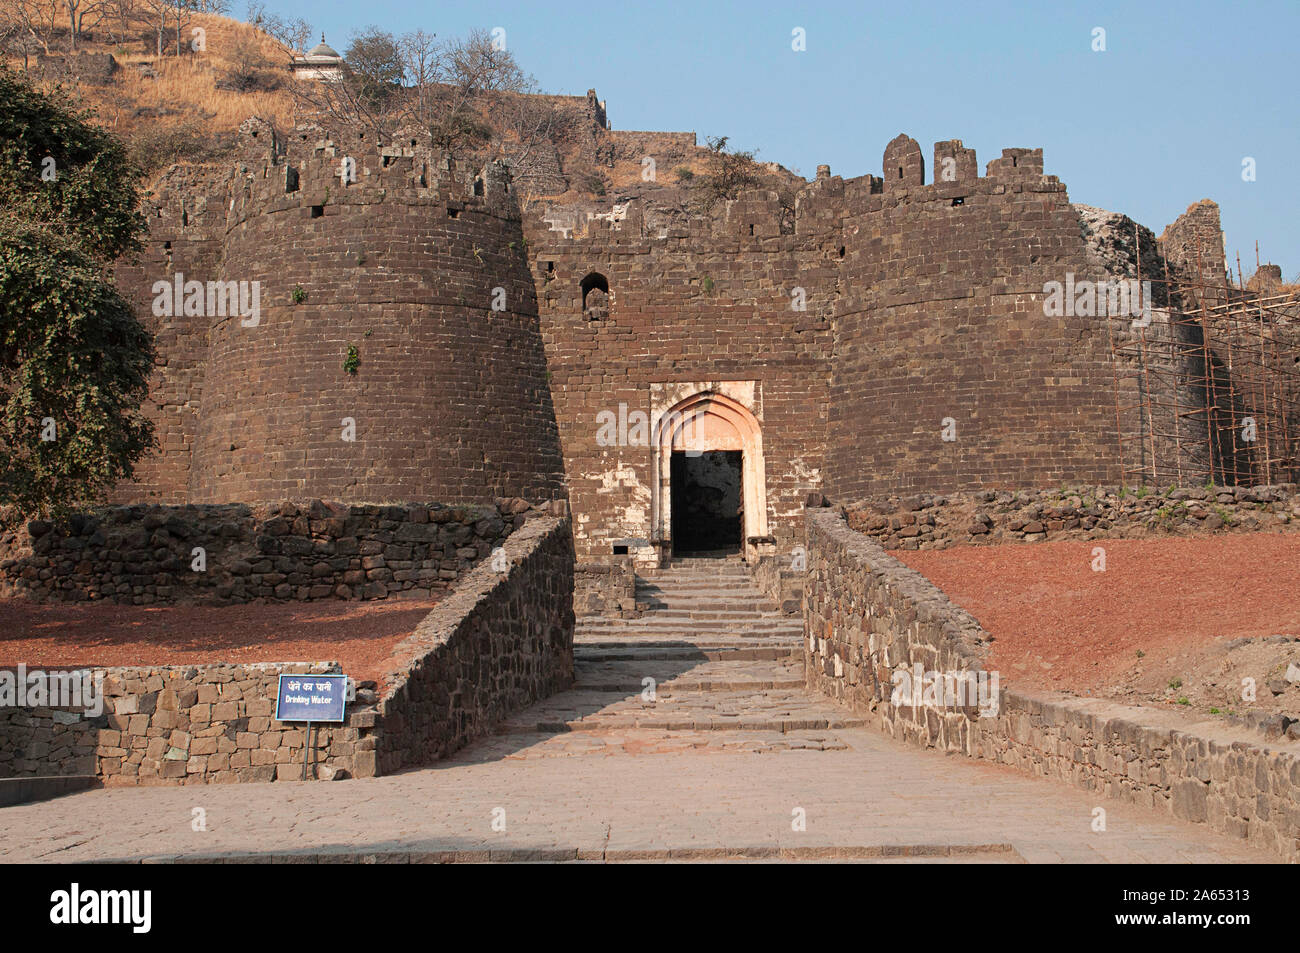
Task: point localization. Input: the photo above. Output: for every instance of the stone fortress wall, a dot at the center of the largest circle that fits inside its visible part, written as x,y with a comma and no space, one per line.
923,303
942,317
405,264
839,340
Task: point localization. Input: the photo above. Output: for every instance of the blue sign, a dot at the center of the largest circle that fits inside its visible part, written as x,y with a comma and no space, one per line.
311,698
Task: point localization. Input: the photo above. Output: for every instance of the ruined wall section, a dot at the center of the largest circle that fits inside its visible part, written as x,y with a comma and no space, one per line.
186,217
1193,246
449,397
707,301
943,317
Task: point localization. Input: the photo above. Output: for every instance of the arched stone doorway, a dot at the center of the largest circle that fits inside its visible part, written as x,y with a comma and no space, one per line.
699,440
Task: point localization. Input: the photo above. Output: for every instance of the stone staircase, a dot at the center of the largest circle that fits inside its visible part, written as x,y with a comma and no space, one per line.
709,655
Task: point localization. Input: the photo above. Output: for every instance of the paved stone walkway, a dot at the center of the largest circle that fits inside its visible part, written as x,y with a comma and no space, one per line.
729,759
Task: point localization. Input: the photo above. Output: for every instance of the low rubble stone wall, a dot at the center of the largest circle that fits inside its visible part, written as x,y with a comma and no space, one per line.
936,521
883,639
500,641
223,554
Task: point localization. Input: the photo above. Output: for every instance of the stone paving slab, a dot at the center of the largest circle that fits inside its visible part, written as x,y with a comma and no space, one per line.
757,710
640,741
677,675
594,775
874,793
702,651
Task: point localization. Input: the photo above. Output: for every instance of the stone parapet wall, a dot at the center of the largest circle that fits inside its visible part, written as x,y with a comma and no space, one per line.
868,617
781,579
500,642
936,521
185,725
281,552
605,589
941,284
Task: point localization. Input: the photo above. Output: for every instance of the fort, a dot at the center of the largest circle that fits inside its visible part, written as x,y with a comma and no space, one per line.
380,365
886,334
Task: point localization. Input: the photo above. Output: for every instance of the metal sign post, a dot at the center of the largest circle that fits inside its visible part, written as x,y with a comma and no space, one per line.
311,699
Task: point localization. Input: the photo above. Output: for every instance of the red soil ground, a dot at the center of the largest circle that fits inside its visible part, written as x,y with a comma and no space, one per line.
1058,624
361,635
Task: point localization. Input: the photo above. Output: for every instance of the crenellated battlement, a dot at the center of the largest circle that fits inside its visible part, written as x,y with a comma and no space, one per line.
423,335
312,167
759,218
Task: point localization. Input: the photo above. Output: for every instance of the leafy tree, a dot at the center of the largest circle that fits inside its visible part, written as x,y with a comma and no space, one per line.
74,361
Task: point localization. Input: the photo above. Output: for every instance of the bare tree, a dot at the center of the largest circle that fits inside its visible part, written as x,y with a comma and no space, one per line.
419,56
38,18
293,34
122,15
157,13
471,69
468,95
182,15
83,15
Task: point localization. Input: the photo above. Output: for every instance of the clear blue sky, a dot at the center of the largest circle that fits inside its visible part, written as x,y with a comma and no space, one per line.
1184,92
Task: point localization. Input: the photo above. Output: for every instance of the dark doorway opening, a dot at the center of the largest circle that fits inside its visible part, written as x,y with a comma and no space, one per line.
706,502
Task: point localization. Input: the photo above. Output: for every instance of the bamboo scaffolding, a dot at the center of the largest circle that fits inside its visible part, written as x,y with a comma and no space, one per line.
1228,367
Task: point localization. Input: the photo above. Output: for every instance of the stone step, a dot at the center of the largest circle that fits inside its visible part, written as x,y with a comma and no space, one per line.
682,684
701,592
687,615
689,675
766,710
727,600
658,651
689,637
701,595
692,575
685,624
696,575
687,612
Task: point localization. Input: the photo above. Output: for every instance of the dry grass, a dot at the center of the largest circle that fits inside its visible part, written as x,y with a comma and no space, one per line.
185,89
170,108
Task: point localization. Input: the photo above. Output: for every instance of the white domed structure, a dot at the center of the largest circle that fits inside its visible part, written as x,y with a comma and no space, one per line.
321,62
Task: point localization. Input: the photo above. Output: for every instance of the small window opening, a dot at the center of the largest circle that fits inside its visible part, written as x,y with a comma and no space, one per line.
620,550
290,179
751,229
167,246
478,186
453,212
958,201
317,211
595,296
900,171
185,218
841,251
1015,160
